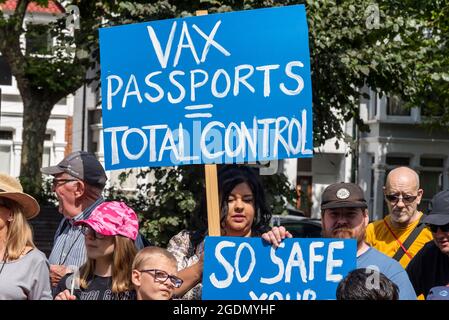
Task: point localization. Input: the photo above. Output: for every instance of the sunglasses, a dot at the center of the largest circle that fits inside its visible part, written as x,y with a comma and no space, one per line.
60,182
162,276
434,228
88,231
394,198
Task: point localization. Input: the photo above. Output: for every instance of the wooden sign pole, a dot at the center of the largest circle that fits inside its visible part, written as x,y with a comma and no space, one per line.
213,207
210,170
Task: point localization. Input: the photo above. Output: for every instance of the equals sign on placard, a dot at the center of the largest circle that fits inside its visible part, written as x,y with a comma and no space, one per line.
197,108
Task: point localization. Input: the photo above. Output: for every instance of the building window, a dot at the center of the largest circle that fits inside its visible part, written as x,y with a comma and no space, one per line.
432,162
38,39
5,135
395,107
431,179
46,154
304,165
5,73
5,158
397,161
5,150
46,157
372,107
304,186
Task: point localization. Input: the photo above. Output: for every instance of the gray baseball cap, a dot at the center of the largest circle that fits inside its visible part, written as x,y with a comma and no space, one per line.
438,209
81,165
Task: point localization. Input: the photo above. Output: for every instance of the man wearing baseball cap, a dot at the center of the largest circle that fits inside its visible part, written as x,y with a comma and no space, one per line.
344,215
79,180
430,267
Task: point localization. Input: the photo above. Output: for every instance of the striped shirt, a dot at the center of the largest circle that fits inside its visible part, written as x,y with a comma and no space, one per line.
68,245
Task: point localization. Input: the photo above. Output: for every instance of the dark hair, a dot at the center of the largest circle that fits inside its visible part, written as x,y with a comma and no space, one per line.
357,285
230,176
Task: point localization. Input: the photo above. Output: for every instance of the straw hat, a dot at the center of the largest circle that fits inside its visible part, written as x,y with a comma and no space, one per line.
11,188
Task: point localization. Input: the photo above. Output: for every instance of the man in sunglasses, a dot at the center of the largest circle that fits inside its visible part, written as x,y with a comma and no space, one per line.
402,233
430,267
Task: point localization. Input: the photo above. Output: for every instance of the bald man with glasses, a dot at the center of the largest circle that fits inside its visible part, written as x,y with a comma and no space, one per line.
402,233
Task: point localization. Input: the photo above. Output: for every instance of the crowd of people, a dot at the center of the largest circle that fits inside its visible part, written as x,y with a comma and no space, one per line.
99,254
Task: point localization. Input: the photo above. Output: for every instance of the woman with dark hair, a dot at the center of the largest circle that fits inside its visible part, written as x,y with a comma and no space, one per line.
243,213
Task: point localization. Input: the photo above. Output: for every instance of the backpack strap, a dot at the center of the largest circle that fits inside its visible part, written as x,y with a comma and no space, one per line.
410,239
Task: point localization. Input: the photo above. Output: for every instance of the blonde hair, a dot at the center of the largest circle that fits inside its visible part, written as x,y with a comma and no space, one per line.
124,253
19,231
148,253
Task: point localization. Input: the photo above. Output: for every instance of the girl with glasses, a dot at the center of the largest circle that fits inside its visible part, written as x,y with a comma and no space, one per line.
110,232
155,274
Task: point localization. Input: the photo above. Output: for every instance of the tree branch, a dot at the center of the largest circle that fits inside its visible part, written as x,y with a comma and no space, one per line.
19,15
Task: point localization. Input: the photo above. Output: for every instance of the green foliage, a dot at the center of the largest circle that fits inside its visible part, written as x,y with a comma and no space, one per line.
279,192
46,196
432,68
349,51
167,197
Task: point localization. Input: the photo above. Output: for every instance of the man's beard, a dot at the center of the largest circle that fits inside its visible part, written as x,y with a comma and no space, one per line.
343,233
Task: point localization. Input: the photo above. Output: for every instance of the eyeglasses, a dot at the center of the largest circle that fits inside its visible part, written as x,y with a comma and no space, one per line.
3,203
88,231
60,182
394,198
162,276
434,228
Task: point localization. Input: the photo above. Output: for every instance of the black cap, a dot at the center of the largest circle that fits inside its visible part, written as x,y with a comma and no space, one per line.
439,209
82,165
343,195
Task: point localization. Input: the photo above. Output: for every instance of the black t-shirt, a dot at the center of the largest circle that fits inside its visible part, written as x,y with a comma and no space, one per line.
428,269
99,288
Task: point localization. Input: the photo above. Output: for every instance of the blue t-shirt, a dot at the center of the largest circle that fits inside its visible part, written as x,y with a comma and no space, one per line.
391,269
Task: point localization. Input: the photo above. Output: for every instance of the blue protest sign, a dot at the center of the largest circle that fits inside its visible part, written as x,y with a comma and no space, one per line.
237,268
222,88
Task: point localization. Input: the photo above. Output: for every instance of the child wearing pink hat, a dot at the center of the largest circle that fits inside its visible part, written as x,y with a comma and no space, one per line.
110,232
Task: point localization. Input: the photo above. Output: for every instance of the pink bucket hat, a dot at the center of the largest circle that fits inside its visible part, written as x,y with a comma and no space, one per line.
113,218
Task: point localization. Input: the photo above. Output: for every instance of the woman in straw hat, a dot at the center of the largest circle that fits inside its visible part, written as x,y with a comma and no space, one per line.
24,270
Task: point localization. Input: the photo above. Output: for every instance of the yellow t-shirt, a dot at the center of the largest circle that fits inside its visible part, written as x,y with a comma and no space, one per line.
379,237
